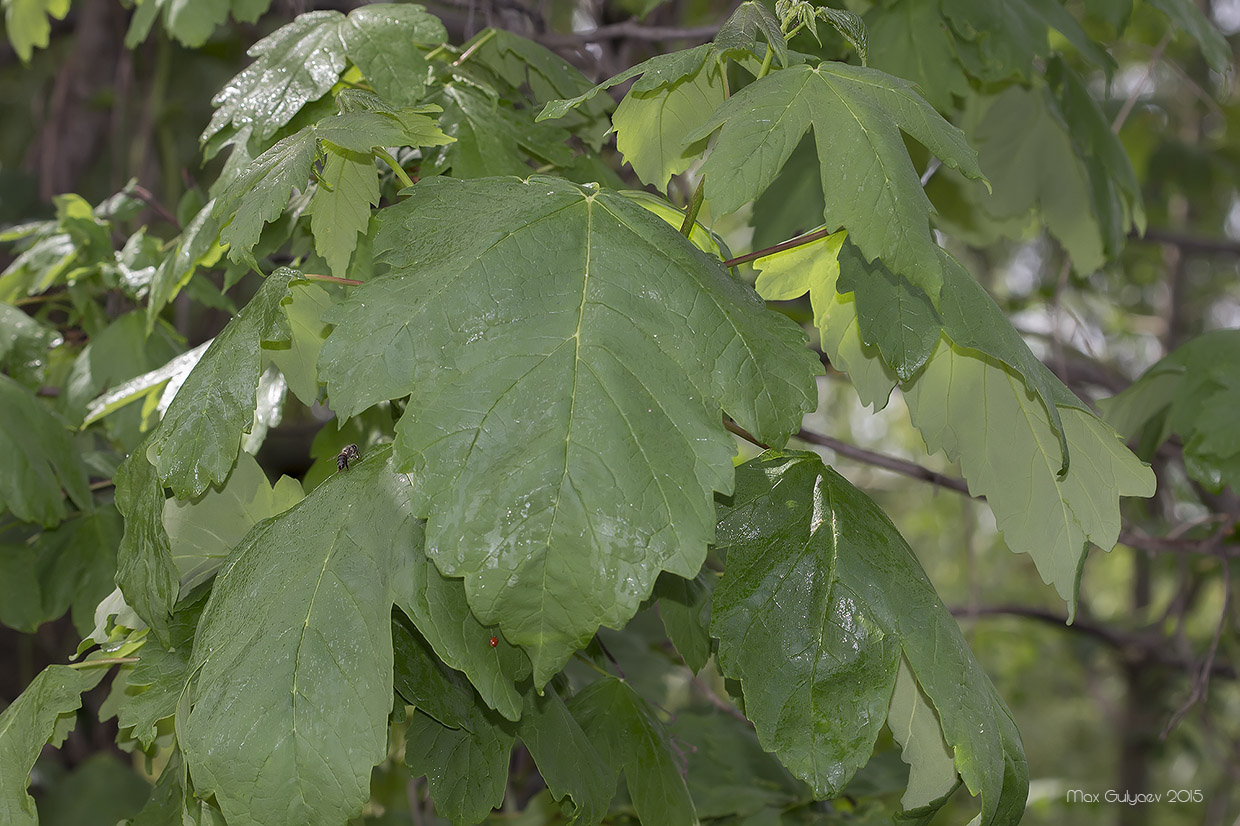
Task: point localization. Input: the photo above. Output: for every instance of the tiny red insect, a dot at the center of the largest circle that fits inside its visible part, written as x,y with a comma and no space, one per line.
494,641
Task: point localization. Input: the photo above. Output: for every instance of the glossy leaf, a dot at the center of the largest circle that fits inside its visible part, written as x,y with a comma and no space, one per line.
150,387
289,695
40,459
24,343
490,137
379,39
38,715
817,605
630,737
145,571
197,246
870,184
200,435
526,402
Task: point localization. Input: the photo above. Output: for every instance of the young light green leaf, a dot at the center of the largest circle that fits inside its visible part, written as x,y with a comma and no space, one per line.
630,737
738,35
149,387
651,127
835,584
293,65
304,305
203,531
566,758
379,39
915,726
466,768
40,459
340,208
851,27
35,717
870,184
198,440
538,416
300,750
27,26
145,571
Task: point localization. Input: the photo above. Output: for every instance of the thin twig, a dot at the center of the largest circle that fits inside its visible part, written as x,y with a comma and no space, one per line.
314,276
901,466
799,241
1126,109
150,200
630,30
1201,682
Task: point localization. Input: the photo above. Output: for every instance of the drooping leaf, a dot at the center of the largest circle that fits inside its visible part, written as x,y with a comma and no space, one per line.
1189,18
25,22
289,695
630,737
739,33
566,758
24,343
437,606
150,387
871,187
200,435
38,715
154,685
466,768
684,607
729,773
817,605
915,726
191,23
196,247
851,27
145,571
526,403
292,66
651,74
40,459
380,40
652,127
911,40
340,208
203,531
1191,393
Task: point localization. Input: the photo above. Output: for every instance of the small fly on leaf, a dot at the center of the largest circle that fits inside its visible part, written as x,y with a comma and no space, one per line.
343,457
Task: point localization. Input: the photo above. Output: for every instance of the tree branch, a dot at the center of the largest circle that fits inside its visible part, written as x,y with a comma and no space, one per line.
630,30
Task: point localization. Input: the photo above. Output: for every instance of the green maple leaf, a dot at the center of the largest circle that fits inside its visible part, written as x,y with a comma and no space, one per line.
300,749
911,40
1000,39
260,193
817,606
43,711
630,737
198,439
304,305
566,757
27,25
490,137
870,184
582,351
340,207
379,41
41,459
1053,482
652,127
145,571
466,768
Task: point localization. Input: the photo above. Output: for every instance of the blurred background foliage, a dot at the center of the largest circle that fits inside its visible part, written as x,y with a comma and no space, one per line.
1139,694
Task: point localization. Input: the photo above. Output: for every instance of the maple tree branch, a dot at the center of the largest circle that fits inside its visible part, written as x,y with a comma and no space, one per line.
882,460
1190,243
799,241
630,30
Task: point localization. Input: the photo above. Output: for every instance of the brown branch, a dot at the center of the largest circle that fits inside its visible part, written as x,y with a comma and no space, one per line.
799,241
150,200
630,30
901,466
1189,243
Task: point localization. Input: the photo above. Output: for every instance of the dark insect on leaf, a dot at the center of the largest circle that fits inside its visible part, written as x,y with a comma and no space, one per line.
343,457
